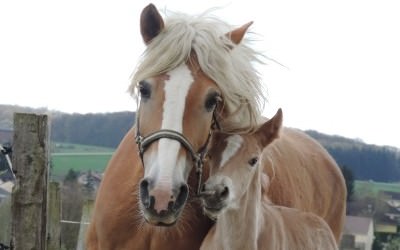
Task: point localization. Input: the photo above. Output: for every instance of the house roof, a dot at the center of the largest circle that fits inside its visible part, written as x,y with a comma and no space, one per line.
392,195
386,219
393,210
83,178
357,225
390,216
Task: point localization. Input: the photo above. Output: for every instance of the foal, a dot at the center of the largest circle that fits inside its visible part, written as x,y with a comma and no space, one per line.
234,195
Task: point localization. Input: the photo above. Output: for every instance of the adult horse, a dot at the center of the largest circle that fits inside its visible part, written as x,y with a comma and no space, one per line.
195,76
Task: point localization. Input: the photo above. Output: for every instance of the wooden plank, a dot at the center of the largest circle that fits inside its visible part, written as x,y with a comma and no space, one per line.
54,217
86,215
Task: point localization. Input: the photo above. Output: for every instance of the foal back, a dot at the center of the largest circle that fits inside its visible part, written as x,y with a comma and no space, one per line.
289,228
304,176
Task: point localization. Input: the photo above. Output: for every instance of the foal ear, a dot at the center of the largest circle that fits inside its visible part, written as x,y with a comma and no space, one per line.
237,35
151,23
269,131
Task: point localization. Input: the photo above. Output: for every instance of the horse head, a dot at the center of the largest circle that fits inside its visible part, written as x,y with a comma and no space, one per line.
234,161
179,103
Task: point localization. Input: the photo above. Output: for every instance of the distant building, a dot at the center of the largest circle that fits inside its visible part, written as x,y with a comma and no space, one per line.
391,198
358,233
389,222
386,225
91,179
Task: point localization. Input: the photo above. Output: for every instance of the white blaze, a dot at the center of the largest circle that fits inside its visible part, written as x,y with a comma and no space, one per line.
176,89
233,143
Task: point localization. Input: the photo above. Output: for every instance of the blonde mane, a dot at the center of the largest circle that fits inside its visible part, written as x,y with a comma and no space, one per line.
230,66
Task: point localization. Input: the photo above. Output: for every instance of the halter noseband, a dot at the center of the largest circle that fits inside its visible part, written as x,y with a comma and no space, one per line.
198,157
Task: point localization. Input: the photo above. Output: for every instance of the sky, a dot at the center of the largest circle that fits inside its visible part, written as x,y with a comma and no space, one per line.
341,58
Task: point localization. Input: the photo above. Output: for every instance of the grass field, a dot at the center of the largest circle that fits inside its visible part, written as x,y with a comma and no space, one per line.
79,158
372,188
77,148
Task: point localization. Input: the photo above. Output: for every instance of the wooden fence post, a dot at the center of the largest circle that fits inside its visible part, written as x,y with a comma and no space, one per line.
54,217
29,196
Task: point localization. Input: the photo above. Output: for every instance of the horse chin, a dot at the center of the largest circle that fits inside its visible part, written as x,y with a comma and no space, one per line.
161,223
212,212
165,219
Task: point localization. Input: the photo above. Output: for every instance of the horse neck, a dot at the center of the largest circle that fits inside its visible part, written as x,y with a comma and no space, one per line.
273,229
238,228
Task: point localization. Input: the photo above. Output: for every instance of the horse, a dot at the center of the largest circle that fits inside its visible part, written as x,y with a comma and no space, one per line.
197,75
233,196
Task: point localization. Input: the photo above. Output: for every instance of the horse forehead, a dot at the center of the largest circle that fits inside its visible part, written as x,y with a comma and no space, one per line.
182,82
179,78
233,144
176,89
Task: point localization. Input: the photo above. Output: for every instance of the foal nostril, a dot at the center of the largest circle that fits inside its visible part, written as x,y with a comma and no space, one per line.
182,196
224,192
144,193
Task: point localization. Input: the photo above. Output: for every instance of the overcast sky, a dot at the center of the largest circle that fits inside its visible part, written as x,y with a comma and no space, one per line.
342,58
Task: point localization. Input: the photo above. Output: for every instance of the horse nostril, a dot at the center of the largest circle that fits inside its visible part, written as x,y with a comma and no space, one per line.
144,193
182,196
225,192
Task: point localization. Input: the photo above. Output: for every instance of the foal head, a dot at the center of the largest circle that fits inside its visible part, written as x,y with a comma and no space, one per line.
179,103
234,161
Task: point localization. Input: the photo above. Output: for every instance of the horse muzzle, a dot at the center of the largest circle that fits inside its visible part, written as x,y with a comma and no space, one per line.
162,206
214,199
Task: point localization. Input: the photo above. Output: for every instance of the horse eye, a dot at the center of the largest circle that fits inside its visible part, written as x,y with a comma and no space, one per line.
211,101
144,89
253,161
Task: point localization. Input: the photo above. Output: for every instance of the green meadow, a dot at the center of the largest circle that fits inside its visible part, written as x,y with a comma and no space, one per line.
372,188
80,158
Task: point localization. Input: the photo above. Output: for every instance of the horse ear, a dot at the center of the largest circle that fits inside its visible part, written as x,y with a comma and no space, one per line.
269,131
237,35
151,23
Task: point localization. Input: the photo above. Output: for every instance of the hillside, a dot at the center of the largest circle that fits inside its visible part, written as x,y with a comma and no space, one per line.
100,129
368,162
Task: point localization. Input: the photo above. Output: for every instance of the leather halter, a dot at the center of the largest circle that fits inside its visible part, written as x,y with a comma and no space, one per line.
197,157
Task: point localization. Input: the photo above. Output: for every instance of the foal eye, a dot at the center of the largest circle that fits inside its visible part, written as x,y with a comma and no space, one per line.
253,161
212,101
144,89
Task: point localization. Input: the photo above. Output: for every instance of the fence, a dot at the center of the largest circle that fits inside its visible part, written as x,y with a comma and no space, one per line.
35,203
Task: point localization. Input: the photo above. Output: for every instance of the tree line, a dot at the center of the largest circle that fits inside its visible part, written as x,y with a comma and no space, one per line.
367,162
105,130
